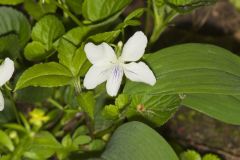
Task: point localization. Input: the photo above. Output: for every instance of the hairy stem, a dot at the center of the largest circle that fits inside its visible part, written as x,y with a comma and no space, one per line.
72,16
14,105
55,103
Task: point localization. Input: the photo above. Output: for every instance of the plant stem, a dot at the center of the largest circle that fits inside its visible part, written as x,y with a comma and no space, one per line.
14,105
55,103
77,86
162,16
72,16
89,124
149,4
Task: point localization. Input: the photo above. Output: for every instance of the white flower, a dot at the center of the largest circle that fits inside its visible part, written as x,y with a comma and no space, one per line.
108,67
6,72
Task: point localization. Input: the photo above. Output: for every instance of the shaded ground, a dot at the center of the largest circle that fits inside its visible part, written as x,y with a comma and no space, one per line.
217,24
192,129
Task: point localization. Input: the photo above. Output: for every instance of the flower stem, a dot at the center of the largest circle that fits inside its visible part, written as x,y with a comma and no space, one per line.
55,103
14,105
148,16
72,16
77,86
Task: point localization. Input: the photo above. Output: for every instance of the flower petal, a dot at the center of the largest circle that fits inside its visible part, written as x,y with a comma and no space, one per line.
96,75
139,72
114,81
6,71
1,101
134,48
99,53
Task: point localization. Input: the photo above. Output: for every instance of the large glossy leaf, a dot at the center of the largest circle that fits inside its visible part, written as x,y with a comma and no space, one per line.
13,21
137,141
192,68
222,107
49,74
95,10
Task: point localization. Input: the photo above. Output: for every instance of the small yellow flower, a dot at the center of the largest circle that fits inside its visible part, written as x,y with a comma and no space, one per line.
38,117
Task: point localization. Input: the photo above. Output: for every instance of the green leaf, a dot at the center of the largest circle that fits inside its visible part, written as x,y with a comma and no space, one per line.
35,51
236,3
7,157
137,141
190,155
95,145
67,141
47,30
66,51
135,14
111,112
22,146
87,102
9,46
8,114
156,109
87,159
82,130
33,94
222,107
13,21
6,141
96,10
11,2
71,56
38,9
75,6
69,146
129,23
69,94
122,100
16,127
49,74
85,67
82,139
210,157
77,35
191,68
188,5
43,146
107,37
